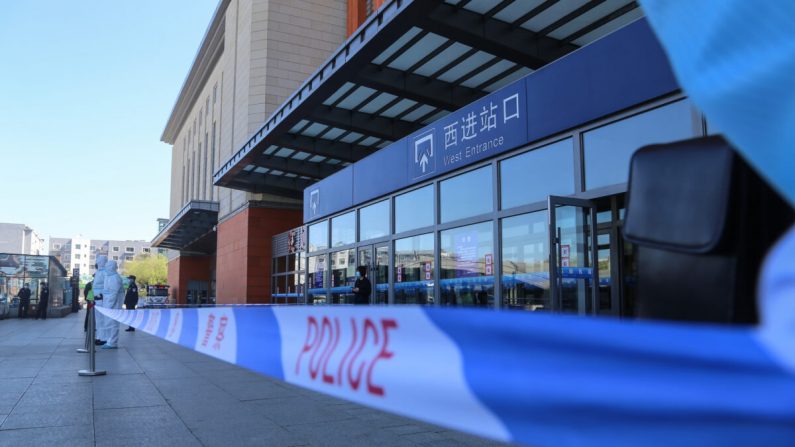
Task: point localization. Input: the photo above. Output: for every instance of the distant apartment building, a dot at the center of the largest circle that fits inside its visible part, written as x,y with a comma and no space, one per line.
20,238
80,252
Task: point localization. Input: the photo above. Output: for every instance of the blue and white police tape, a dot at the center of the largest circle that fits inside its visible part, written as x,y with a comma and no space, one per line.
546,380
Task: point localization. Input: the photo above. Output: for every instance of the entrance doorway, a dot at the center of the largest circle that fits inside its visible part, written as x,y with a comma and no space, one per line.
572,255
376,259
616,259
198,292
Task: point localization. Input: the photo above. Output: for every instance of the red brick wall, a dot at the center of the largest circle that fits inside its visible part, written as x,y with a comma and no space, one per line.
243,258
184,269
357,13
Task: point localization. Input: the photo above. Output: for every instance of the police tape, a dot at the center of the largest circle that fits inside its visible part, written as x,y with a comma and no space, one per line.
540,379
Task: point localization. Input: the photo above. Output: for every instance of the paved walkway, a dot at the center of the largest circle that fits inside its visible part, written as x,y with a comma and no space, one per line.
157,393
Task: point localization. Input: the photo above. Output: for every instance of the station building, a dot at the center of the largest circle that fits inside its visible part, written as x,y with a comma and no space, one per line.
469,152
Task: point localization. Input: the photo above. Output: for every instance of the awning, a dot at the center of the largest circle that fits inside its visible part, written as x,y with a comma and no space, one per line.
411,63
191,230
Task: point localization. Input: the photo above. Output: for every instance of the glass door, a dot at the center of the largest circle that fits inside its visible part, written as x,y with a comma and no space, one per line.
573,280
376,259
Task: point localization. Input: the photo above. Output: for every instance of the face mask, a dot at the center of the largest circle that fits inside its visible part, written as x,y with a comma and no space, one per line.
357,275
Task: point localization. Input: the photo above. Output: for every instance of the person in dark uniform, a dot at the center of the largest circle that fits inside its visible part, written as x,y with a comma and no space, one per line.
362,286
24,301
86,291
44,301
131,298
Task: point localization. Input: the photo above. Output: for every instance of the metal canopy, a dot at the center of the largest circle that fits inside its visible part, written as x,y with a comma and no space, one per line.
410,64
191,230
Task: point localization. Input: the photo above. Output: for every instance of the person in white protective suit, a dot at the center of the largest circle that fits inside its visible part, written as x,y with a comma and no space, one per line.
99,282
113,297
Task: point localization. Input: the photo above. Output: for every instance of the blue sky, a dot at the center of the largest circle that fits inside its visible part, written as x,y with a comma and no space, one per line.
86,87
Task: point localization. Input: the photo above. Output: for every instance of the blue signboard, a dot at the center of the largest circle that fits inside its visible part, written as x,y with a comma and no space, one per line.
423,154
329,195
371,179
485,128
625,68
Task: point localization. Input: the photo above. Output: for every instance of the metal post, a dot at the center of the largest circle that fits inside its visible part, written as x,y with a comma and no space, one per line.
92,370
89,342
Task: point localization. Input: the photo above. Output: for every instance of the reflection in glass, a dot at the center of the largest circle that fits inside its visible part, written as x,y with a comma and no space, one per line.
467,195
374,221
468,266
525,262
343,275
414,270
318,236
574,229
414,209
377,271
316,278
343,229
603,259
534,175
608,149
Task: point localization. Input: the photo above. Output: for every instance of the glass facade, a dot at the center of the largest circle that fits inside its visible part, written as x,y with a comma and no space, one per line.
414,271
525,261
466,195
318,236
343,229
343,275
414,209
532,176
458,248
374,221
609,148
316,279
288,277
467,273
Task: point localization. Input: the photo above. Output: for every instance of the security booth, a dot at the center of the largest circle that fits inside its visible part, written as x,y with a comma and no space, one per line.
16,270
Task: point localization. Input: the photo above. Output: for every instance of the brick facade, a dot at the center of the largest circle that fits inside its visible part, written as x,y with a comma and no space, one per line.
255,55
184,269
243,257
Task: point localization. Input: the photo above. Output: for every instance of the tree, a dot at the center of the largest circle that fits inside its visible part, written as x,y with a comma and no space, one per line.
148,270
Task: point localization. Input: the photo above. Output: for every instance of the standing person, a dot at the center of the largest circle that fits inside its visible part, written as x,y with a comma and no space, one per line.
99,283
131,298
88,294
44,301
362,286
24,301
112,289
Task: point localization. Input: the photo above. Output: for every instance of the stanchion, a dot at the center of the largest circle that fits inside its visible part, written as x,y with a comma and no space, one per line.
92,370
89,341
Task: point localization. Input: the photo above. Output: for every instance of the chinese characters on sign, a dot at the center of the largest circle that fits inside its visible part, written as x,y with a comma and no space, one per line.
482,129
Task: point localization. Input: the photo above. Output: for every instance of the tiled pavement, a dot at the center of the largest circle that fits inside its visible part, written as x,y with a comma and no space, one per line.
157,393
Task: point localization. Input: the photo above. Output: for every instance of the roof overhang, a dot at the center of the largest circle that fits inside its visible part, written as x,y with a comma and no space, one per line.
191,230
411,63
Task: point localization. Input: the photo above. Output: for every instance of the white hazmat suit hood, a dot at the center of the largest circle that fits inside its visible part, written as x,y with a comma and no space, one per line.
99,276
113,296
